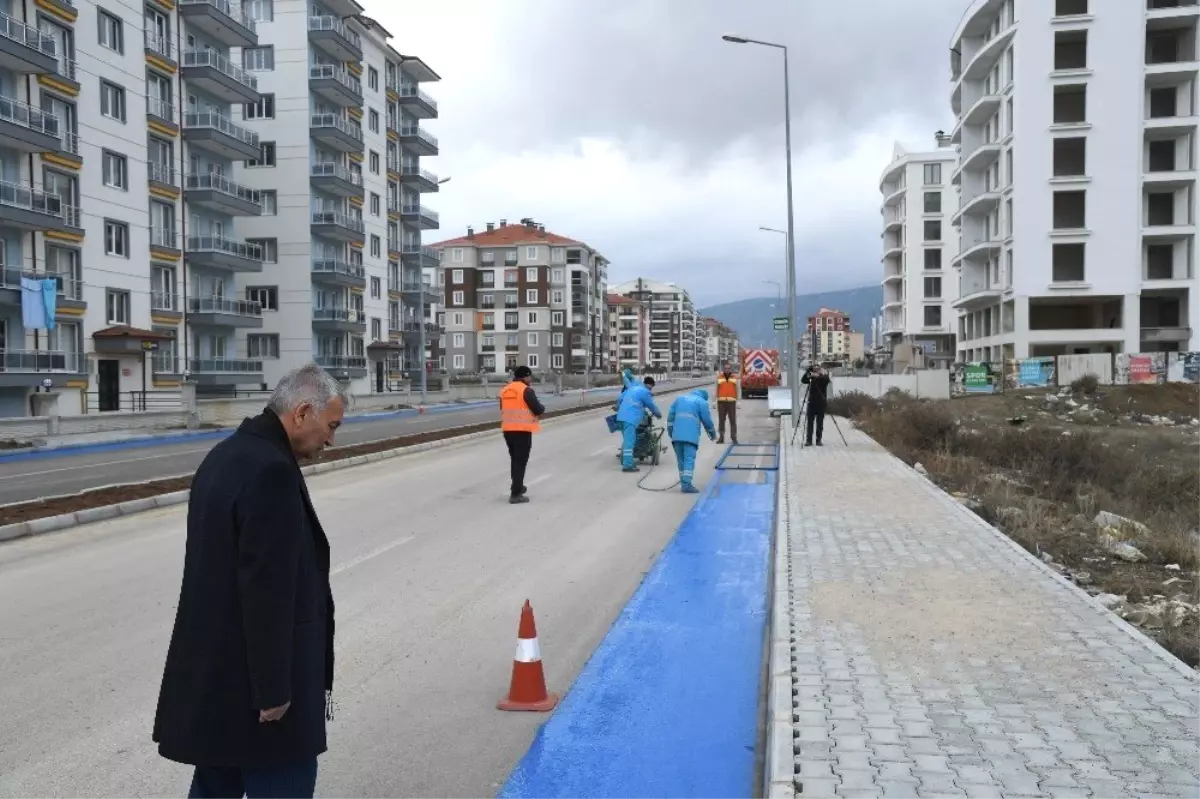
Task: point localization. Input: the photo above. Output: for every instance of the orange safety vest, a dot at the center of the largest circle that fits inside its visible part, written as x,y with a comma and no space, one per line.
727,388
515,416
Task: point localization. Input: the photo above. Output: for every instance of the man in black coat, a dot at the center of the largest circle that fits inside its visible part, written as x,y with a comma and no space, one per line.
249,669
818,391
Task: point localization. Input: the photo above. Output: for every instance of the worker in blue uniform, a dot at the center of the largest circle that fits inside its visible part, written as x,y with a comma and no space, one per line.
635,404
688,413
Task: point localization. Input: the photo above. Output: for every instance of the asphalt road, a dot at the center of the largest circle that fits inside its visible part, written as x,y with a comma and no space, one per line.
72,472
431,568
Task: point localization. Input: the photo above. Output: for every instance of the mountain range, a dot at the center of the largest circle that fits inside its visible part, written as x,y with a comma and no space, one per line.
752,319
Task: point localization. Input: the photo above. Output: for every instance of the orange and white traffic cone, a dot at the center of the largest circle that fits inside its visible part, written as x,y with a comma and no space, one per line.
528,688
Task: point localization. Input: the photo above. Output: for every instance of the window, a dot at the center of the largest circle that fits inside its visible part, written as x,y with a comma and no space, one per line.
1070,50
531,296
258,59
1069,210
116,238
376,288
556,297
933,174
933,259
531,360
1070,104
456,255
374,163
262,345
376,250
531,274
457,298
460,340
266,156
373,79
116,304
933,316
558,255
510,321
373,120
1070,8
458,319
933,288
531,339
1070,157
1162,155
557,360
556,340
1164,102
1160,261
374,204
1160,208
270,202
111,34
112,101
933,202
457,276
266,296
532,317
260,10
531,253
263,109
933,230
460,362
269,247
116,170
1067,262
558,275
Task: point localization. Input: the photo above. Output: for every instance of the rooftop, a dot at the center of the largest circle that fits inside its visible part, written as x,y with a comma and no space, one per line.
508,235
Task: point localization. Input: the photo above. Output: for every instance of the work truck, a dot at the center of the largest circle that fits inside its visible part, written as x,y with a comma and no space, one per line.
760,371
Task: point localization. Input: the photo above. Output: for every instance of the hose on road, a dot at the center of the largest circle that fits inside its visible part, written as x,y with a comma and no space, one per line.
646,476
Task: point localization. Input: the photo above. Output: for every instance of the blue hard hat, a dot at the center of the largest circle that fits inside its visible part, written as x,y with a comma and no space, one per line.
702,393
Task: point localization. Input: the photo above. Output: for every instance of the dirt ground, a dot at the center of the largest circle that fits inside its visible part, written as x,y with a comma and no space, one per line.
1048,467
40,509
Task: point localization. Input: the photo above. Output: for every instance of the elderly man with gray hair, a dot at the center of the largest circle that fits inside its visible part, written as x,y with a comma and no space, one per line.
247,685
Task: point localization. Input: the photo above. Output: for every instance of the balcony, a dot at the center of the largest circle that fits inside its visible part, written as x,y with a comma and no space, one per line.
23,368
1158,335
420,216
416,328
339,320
335,84
335,179
336,272
981,204
343,365
215,74
225,371
214,133
219,193
27,208
416,140
214,252
164,240
25,50
977,250
160,111
165,303
422,180
418,291
222,21
980,158
332,37
220,312
337,132
161,175
159,47
417,255
337,225
27,129
417,102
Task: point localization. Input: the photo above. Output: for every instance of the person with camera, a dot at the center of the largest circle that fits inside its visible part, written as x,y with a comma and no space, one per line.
818,382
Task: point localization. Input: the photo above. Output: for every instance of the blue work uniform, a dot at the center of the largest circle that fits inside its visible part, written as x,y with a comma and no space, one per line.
687,415
636,402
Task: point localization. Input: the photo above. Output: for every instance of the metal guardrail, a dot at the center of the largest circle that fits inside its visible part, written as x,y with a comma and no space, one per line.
28,36
149,400
332,170
338,218
211,120
341,361
354,130
326,23
221,305
28,198
224,365
240,249
235,13
27,116
224,185
39,361
332,266
341,75
211,58
420,133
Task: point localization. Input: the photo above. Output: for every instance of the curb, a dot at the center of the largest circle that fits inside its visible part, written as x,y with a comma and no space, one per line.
66,521
779,777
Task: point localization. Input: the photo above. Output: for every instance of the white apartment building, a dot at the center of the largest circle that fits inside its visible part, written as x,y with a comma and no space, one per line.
628,333
674,343
1076,126
919,249
346,280
721,344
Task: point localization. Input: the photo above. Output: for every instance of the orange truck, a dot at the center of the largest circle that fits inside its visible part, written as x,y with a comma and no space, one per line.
760,371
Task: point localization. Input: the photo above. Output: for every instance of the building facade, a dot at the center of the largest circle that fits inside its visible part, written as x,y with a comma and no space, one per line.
1077,177
920,248
830,338
721,345
517,294
628,333
673,323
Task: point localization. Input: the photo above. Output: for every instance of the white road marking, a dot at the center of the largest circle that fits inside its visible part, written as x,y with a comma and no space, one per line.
373,553
537,480
101,465
609,449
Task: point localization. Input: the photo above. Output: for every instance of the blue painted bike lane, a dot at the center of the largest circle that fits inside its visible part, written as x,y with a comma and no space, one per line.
668,704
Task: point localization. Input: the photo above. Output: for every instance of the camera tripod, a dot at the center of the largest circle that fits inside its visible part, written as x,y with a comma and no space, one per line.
801,420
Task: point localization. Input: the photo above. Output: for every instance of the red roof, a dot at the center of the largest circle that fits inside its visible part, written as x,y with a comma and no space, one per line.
509,235
621,299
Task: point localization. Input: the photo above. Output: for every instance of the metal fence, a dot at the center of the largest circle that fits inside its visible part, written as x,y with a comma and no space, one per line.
149,400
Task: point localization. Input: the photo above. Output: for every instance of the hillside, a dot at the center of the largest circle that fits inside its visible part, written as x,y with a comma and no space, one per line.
752,318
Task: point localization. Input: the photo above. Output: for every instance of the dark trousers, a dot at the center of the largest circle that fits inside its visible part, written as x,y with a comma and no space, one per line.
727,410
519,445
297,780
815,418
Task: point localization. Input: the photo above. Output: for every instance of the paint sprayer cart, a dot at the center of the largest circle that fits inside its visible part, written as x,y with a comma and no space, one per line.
648,444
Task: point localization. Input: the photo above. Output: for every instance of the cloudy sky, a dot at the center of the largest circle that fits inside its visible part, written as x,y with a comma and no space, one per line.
629,124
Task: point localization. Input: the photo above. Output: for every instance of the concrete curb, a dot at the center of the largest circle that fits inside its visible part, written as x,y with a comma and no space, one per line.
50,524
779,775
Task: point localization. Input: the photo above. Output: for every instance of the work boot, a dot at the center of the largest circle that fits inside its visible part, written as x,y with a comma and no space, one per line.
721,440
688,488
819,444
522,491
517,499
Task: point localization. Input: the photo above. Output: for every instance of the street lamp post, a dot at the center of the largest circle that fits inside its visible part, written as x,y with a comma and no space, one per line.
421,320
784,349
793,377
780,335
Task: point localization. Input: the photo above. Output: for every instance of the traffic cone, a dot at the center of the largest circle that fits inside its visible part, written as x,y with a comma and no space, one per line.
528,688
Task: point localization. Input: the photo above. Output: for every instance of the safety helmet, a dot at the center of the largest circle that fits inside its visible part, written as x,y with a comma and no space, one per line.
701,393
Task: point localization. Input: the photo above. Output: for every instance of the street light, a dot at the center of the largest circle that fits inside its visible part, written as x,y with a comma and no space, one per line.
793,377
783,348
421,321
778,304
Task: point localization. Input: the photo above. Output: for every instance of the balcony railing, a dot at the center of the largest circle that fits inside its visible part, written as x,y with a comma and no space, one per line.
160,108
342,76
224,366
240,249
338,315
338,218
414,92
163,238
224,185
214,121
27,116
16,195
164,301
158,44
420,133
224,306
211,58
228,9
334,24
413,171
419,210
31,37
332,170
342,361
65,68
69,143
332,266
352,129
38,361
160,173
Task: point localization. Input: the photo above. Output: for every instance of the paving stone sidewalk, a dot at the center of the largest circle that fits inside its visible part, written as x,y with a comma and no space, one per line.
931,656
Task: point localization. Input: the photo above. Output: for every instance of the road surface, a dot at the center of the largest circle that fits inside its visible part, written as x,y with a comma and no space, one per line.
431,568
74,471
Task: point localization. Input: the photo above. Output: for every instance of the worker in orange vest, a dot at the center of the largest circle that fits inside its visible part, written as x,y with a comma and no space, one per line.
519,412
727,399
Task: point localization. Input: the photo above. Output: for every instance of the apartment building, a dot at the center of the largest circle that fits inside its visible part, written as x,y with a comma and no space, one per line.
340,160
920,247
1076,130
518,294
673,323
721,344
628,333
829,337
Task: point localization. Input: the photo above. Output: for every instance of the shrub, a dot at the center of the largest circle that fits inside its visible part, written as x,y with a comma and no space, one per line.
1088,384
852,404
